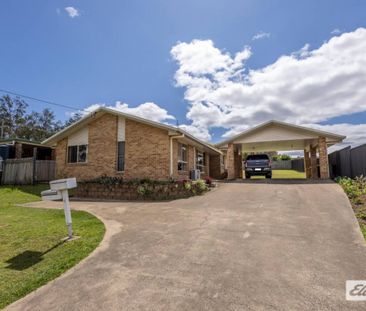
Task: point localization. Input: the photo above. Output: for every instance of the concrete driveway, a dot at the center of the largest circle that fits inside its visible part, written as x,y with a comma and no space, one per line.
266,246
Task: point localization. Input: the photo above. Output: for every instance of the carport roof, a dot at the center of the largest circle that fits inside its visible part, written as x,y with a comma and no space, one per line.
331,137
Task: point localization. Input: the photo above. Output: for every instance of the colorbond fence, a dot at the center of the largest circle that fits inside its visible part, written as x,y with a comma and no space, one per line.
348,162
282,165
27,171
294,164
298,164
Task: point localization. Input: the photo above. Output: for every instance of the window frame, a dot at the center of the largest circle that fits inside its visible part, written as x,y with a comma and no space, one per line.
69,160
201,167
123,156
182,157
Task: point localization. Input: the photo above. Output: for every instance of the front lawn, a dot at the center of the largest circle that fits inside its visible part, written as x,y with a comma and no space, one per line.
31,249
284,174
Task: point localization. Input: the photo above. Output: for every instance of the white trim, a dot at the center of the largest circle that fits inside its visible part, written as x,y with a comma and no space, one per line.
171,153
121,131
79,138
338,138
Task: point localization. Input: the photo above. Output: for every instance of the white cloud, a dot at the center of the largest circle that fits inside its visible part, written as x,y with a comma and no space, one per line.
356,133
261,35
336,31
198,132
307,86
72,12
149,111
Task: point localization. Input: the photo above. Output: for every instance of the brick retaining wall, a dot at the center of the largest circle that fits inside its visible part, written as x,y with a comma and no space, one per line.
130,192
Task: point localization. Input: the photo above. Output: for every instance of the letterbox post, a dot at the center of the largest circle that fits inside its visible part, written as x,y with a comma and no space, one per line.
65,199
59,190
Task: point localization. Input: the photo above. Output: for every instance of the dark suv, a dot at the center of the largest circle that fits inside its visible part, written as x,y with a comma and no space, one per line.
258,164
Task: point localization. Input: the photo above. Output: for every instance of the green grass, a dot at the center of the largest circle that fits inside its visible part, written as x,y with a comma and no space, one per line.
284,174
363,230
31,250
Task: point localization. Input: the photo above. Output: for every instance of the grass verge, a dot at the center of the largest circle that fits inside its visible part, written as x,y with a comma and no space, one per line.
31,250
356,192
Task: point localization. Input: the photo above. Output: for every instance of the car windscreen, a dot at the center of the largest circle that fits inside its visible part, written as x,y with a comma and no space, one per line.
258,157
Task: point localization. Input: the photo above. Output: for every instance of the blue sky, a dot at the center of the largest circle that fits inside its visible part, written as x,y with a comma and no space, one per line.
121,51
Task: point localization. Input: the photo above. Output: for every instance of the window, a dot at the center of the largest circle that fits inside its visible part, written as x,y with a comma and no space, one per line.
121,156
257,157
200,161
77,154
182,157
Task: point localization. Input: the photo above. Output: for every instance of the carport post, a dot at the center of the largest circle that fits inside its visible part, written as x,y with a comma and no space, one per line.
307,163
230,161
323,158
313,162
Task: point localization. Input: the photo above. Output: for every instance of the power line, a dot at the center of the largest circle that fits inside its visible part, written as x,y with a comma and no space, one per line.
40,100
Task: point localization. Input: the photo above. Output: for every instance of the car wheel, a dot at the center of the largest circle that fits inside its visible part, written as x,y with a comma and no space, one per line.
247,176
269,176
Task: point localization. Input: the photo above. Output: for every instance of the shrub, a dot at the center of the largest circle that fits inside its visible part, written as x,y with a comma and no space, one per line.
108,180
208,181
144,190
354,188
187,186
200,186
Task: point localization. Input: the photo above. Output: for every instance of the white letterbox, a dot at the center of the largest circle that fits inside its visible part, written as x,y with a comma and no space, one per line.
51,195
63,184
59,191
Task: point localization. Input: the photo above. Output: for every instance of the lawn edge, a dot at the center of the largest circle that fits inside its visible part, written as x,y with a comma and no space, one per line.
108,233
357,223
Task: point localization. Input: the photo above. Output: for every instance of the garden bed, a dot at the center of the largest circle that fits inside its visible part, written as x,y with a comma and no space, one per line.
356,192
111,188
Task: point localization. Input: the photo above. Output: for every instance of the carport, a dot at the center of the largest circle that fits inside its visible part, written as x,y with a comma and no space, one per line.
281,136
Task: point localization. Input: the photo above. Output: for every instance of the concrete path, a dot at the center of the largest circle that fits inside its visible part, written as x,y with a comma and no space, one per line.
244,246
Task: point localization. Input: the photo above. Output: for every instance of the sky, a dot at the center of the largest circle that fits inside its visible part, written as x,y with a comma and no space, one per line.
215,68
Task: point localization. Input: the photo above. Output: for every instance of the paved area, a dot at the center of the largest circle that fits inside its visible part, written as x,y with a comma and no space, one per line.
244,246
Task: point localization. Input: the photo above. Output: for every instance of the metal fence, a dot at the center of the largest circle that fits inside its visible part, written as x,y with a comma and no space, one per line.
282,165
348,162
294,164
27,171
298,164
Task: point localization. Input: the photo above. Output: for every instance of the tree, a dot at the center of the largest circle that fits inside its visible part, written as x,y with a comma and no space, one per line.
12,113
285,157
32,126
39,126
73,118
281,157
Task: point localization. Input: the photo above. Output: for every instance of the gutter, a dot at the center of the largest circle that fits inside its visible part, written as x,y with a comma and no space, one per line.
171,152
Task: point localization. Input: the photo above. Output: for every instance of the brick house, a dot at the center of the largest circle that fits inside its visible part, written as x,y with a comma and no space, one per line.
112,143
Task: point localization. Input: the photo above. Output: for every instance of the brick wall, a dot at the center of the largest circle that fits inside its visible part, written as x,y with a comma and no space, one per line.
207,166
323,158
130,192
147,151
216,169
102,152
230,160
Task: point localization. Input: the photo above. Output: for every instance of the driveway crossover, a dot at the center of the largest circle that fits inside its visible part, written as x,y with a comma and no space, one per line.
270,246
